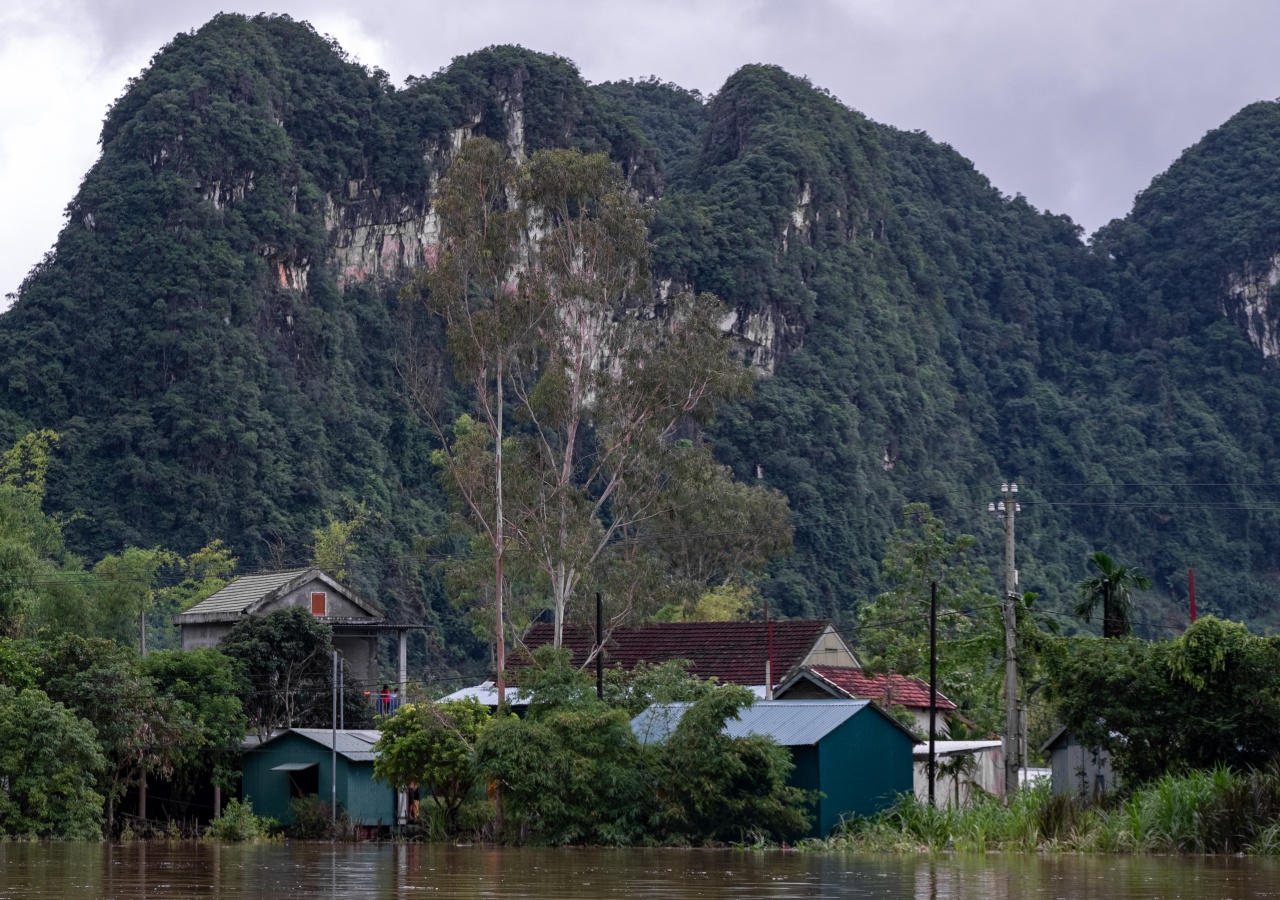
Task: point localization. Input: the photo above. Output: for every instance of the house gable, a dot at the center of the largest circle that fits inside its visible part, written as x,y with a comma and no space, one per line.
831,650
316,589
251,595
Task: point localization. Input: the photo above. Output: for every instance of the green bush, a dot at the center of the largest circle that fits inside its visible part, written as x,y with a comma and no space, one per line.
239,824
312,819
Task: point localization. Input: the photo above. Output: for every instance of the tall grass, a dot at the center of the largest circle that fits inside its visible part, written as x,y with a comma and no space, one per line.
1203,812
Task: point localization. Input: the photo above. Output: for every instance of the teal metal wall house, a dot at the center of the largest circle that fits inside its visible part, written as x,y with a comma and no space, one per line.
850,750
297,762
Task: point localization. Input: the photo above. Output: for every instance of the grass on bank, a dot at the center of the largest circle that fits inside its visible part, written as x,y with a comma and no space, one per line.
1202,812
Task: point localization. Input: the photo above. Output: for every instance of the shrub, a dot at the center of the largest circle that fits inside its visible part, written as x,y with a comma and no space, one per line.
239,824
312,819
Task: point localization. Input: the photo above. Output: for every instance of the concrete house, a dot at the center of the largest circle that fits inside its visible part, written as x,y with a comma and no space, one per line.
821,682
854,753
356,622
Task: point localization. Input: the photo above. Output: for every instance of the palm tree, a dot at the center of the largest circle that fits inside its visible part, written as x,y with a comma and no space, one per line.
1113,587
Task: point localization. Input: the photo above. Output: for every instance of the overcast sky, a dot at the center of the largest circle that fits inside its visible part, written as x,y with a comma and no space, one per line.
1076,105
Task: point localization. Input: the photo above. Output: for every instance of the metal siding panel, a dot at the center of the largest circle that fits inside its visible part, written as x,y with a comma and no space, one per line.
807,776
268,790
865,764
368,800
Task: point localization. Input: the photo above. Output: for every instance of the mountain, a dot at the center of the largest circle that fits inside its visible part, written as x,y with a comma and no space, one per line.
216,333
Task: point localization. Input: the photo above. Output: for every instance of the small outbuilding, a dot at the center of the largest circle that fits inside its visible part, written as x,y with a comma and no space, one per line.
1077,769
298,763
858,757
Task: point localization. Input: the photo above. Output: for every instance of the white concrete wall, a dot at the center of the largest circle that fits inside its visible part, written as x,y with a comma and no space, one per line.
988,776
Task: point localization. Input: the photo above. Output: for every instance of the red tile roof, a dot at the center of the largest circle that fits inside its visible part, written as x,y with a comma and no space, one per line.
903,691
733,652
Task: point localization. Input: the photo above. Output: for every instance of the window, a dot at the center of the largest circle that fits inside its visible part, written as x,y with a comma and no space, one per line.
318,603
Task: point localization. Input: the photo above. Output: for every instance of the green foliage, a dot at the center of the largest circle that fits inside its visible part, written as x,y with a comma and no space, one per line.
38,584
139,729
893,630
239,825
335,543
286,656
1210,697
313,819
645,684
125,590
432,746
589,477
570,775
722,788
203,574
16,667
25,465
51,760
1112,589
572,771
206,687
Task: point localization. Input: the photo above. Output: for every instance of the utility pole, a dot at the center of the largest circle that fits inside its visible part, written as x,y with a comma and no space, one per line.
933,687
1007,508
333,750
599,646
768,660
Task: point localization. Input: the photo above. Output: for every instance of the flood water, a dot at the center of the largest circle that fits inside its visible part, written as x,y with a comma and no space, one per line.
298,871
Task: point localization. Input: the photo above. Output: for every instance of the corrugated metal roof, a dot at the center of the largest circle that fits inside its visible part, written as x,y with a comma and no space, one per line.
792,723
943,749
487,693
243,592
354,744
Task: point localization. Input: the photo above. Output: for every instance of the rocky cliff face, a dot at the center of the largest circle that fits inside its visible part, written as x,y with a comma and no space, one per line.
1251,303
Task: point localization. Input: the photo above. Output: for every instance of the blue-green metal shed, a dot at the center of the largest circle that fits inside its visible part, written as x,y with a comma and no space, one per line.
297,762
850,750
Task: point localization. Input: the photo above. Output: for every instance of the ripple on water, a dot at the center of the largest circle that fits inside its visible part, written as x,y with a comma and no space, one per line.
300,871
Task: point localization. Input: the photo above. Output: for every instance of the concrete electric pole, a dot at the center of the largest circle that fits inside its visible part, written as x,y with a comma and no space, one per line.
1007,508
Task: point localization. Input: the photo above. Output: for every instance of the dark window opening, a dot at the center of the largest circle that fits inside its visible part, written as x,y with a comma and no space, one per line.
305,782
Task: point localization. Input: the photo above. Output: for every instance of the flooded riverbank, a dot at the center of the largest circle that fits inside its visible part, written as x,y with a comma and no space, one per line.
299,871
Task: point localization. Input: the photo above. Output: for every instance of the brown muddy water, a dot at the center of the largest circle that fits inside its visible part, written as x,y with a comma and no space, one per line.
298,871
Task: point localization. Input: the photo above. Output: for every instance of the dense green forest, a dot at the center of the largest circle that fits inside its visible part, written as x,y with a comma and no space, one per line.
217,335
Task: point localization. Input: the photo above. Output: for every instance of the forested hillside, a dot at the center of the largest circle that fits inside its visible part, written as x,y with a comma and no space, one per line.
217,334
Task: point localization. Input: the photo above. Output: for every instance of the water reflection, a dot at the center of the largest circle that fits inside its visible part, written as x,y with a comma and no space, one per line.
299,871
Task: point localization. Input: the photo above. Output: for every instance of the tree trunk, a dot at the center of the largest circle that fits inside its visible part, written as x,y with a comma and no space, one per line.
499,546
217,801
142,798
